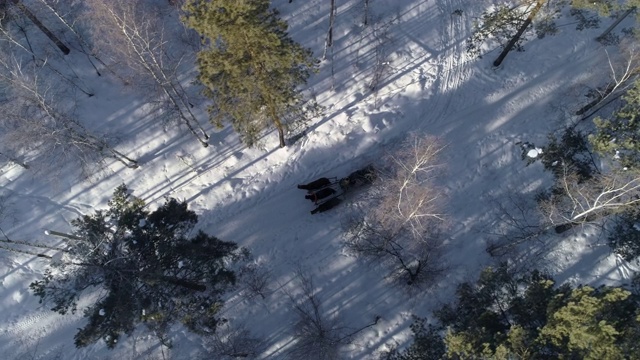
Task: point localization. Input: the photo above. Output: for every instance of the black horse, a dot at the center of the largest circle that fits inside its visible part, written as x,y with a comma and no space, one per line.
320,194
316,184
327,205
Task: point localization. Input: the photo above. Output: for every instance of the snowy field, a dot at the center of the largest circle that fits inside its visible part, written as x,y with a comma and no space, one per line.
428,84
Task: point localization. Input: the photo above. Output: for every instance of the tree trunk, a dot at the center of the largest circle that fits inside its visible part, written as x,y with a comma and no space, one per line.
128,162
597,100
518,34
85,48
277,123
570,225
329,40
332,17
14,160
615,23
65,50
281,137
280,127
366,12
181,282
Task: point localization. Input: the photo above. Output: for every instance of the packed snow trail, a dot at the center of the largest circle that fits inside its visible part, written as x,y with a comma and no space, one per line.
425,81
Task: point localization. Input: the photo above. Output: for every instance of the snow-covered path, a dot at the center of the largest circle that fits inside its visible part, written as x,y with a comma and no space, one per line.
414,54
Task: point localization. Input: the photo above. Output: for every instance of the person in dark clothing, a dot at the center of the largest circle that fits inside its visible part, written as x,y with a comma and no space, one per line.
316,184
320,194
327,205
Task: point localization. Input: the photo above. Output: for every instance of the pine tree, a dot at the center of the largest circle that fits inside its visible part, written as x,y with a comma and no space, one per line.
251,69
140,267
619,135
507,316
427,344
609,8
584,327
605,7
624,238
507,23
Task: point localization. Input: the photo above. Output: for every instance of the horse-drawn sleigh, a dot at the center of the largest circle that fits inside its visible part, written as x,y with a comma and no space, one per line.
327,193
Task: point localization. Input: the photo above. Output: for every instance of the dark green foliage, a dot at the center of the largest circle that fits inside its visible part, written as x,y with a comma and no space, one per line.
624,238
586,19
503,22
503,315
142,267
481,308
605,8
500,24
509,316
530,308
569,154
250,67
427,344
619,136
593,324
546,26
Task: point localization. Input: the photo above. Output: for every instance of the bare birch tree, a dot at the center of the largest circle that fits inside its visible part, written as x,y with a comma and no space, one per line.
256,279
69,15
132,33
577,202
317,335
328,42
624,71
14,39
400,221
39,122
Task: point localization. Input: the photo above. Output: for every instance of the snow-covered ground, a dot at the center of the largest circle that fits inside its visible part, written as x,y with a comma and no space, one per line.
249,196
